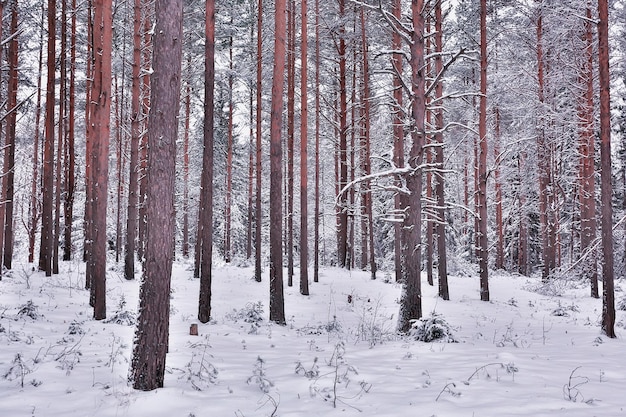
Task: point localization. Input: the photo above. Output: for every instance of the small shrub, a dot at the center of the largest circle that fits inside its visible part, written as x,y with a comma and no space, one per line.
29,310
252,313
433,328
122,316
259,376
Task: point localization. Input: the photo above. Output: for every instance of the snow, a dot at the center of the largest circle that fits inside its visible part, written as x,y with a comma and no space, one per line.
528,352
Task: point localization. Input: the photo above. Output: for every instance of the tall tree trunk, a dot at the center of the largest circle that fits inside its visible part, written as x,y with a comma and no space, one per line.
119,93
251,149
9,156
88,143
58,177
398,138
148,363
342,216
483,248
277,304
70,161
304,175
411,301
33,205
229,157
101,115
587,161
135,133
522,259
608,295
316,220
185,243
45,251
498,188
258,215
205,220
440,228
291,131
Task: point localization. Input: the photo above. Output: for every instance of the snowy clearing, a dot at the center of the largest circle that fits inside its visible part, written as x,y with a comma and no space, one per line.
528,352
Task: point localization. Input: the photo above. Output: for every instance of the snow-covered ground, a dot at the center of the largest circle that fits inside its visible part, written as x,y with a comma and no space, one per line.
527,352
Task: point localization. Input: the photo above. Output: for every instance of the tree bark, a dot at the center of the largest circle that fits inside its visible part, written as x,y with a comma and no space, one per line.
277,304
148,363
205,220
608,295
411,300
229,157
45,251
304,177
316,220
440,228
483,248
135,133
9,156
258,216
101,115
342,215
398,138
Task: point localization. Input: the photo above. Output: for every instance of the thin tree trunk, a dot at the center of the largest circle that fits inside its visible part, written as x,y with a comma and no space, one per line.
34,206
304,177
45,251
259,98
342,216
498,188
148,363
135,132
70,162
440,228
367,168
316,221
587,161
88,143
483,248
251,122
291,131
277,304
101,115
398,138
608,295
60,139
185,243
229,157
411,301
205,220
9,156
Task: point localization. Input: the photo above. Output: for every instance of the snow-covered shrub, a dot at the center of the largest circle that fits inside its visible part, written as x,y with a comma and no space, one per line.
259,376
122,315
621,304
433,328
28,310
252,313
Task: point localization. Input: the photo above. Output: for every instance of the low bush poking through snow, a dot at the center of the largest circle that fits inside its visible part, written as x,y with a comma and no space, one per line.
122,316
28,310
252,313
433,328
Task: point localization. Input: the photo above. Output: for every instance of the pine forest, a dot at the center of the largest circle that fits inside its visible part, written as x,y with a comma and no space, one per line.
305,207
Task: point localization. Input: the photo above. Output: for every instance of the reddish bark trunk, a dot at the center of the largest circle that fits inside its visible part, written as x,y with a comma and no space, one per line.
442,260
411,301
45,251
304,177
101,114
342,216
608,295
277,305
205,219
483,248
398,137
291,130
9,156
258,221
135,132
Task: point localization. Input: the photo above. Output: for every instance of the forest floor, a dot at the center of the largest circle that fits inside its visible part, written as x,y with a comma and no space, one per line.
533,350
